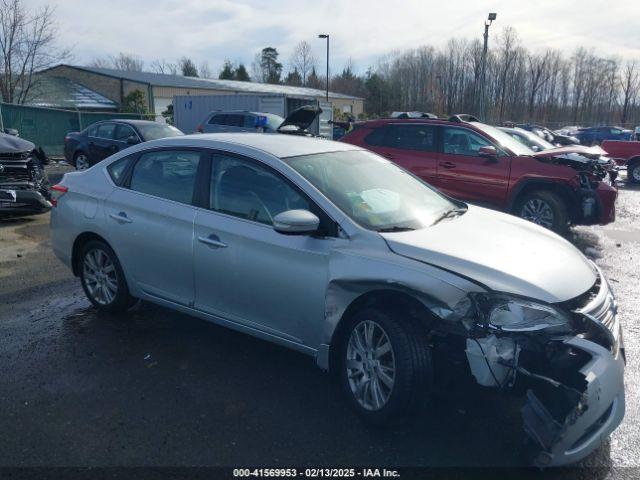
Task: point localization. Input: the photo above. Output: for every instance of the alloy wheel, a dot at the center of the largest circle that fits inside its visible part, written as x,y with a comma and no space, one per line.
635,173
370,364
99,276
539,212
82,162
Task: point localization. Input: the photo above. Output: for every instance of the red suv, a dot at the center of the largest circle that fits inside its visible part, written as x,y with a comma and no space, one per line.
472,161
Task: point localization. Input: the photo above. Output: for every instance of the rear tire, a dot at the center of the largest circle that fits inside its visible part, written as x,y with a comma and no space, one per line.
544,208
102,278
633,173
389,376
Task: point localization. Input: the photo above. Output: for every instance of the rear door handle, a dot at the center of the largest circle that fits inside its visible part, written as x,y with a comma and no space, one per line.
448,164
120,217
212,240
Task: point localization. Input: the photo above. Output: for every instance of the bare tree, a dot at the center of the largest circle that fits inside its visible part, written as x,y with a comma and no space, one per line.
538,75
125,62
204,70
164,67
630,84
27,45
303,60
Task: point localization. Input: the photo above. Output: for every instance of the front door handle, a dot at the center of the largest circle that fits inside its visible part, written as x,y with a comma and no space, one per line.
388,155
120,217
447,164
212,240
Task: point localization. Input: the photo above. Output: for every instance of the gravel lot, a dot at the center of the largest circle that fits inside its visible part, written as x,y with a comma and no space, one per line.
159,388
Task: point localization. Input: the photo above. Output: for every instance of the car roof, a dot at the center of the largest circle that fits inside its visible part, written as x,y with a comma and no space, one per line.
403,121
277,144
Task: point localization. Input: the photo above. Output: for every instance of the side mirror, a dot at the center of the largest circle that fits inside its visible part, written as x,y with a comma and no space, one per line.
535,148
132,140
489,152
296,222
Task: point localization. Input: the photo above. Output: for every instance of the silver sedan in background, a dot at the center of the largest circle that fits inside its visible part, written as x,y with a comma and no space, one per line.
338,253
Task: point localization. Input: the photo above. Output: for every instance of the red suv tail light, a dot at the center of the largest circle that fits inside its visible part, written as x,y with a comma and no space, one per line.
200,129
57,191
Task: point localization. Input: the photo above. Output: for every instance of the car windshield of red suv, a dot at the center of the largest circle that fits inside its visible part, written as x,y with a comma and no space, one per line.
504,139
374,192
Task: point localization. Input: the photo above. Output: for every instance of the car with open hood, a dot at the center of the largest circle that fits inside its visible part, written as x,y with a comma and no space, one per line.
338,253
479,163
24,187
236,121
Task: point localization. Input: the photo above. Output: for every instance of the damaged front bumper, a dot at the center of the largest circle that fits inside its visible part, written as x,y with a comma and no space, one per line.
598,413
17,200
572,380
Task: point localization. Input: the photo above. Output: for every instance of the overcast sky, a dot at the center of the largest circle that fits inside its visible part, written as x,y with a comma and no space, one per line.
363,30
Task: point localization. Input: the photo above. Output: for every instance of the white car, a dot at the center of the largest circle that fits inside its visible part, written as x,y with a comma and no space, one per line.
338,253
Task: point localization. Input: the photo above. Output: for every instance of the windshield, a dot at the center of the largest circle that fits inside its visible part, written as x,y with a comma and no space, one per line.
156,131
504,139
372,191
529,139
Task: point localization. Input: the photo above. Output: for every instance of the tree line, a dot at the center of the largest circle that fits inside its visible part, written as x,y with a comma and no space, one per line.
549,86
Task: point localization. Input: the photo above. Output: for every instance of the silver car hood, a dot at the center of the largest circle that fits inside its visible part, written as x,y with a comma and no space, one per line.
502,252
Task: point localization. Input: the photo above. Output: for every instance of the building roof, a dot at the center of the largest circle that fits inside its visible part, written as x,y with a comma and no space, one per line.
179,81
58,92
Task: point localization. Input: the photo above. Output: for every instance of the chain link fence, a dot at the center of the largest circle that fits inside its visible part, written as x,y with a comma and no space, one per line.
46,127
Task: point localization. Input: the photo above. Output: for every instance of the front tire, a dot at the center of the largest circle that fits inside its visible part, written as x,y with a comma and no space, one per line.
385,369
102,278
545,209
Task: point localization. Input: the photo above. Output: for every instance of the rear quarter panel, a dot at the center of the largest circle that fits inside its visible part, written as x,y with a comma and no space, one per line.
80,210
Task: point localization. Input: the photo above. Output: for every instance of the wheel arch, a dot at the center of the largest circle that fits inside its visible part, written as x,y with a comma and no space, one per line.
78,243
565,192
389,299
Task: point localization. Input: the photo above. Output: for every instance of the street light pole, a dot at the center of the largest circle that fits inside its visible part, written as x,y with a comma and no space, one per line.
483,75
326,35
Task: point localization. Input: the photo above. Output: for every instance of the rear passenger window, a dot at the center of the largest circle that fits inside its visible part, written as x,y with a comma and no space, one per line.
166,174
116,169
106,130
235,120
217,120
412,137
377,137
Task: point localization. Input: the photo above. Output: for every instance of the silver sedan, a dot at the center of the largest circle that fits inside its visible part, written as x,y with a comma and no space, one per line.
336,252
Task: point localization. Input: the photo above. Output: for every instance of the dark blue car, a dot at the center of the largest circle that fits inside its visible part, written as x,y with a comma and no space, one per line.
596,135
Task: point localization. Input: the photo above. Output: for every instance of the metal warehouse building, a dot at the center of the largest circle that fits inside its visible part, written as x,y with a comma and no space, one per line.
160,89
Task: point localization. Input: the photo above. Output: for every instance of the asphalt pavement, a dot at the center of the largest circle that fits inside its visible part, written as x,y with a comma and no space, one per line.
158,388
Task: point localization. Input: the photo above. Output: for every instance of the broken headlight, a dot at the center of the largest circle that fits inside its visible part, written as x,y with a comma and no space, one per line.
512,314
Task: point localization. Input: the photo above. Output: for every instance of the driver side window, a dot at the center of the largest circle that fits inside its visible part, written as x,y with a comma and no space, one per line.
247,190
461,141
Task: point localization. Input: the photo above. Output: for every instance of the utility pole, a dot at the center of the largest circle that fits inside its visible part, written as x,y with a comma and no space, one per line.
326,35
483,75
